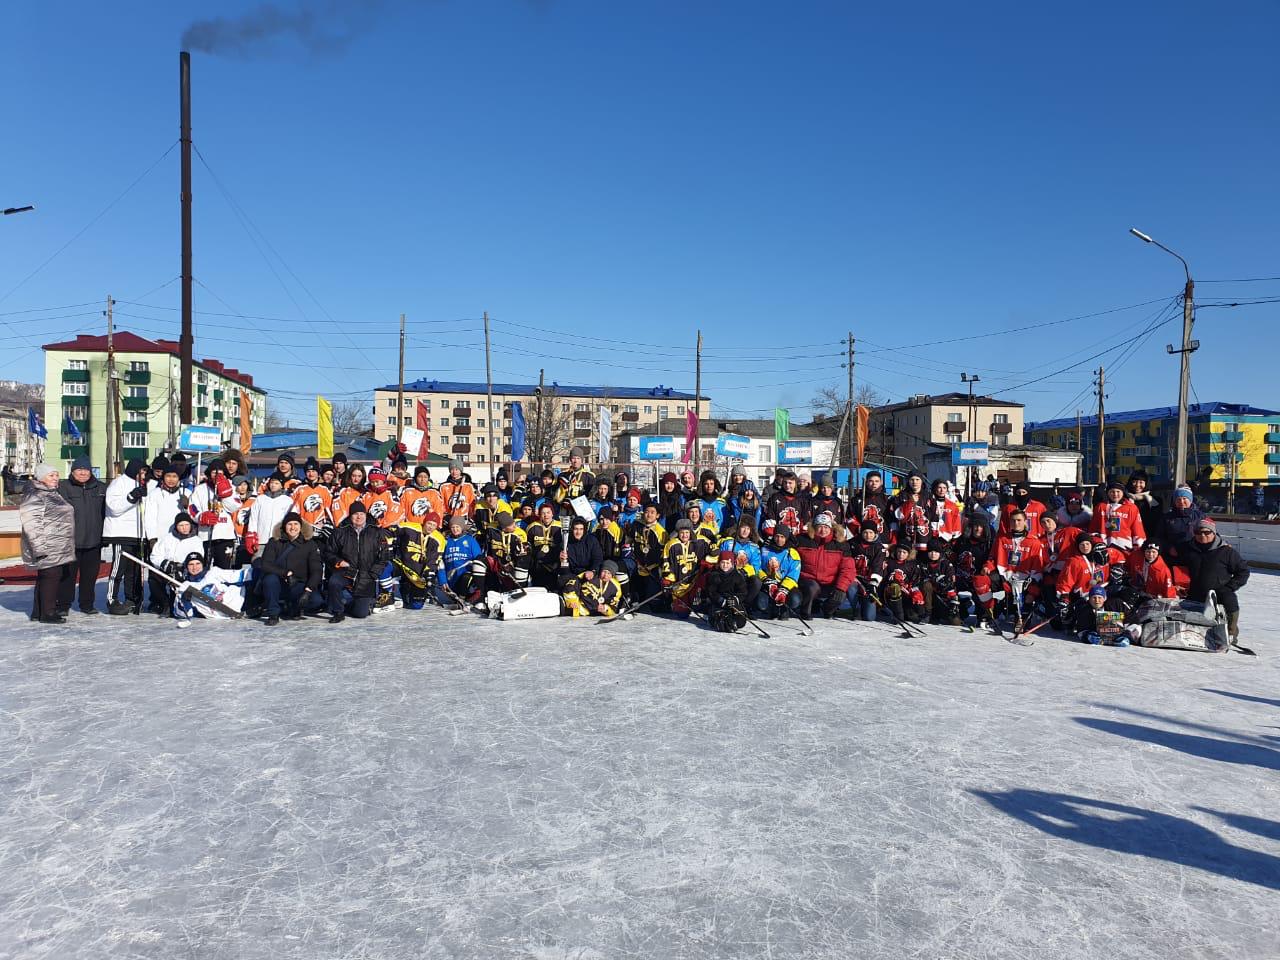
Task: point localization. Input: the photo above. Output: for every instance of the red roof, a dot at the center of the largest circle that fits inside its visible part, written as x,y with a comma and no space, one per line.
126,342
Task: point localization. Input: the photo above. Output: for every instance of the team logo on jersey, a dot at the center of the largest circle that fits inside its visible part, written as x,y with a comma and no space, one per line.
789,517
242,517
420,507
377,509
313,503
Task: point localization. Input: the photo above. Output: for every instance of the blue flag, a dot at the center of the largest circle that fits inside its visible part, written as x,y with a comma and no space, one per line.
69,428
517,431
35,424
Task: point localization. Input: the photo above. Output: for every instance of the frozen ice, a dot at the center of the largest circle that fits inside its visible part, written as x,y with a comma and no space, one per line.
418,785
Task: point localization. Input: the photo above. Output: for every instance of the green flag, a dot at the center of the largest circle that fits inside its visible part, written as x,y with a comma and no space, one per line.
781,425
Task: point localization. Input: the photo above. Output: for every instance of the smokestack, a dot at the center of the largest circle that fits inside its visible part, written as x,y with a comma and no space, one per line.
185,341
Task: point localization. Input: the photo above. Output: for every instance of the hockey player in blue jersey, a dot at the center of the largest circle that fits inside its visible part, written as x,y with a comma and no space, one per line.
710,498
779,573
464,563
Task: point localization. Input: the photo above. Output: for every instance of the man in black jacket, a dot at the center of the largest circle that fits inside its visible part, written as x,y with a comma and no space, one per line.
1216,566
290,571
357,555
88,497
581,557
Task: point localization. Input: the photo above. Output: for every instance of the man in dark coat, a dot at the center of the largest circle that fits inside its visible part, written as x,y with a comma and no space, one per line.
88,497
357,554
290,569
1216,566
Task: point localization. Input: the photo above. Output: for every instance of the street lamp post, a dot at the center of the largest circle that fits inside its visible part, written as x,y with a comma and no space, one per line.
1189,347
8,211
965,378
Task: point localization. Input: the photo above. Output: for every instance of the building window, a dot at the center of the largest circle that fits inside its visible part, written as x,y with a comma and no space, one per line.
136,440
444,421
76,413
1000,440
613,408
139,366
77,364
391,421
406,421
953,438
75,389
202,377
662,413
648,408
766,453
426,403
679,411
137,392
580,407
630,408
391,402
493,424
408,401
480,404
1000,418
462,422
955,417
564,408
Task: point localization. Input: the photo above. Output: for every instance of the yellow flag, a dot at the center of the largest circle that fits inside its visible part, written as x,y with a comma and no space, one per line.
246,423
324,429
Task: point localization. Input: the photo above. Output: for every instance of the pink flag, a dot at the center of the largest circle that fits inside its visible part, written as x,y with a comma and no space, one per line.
690,434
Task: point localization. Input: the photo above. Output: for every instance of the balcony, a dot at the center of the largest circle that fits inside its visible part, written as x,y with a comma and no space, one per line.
217,416
952,427
1232,436
462,411
1271,437
462,431
139,378
630,417
1001,429
580,434
78,400
506,431
81,424
1271,458
202,414
136,426
136,453
217,396
75,376
1147,439
135,403
461,448
70,452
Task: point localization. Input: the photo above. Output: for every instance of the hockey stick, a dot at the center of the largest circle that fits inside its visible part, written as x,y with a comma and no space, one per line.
764,634
625,614
804,623
1018,585
183,586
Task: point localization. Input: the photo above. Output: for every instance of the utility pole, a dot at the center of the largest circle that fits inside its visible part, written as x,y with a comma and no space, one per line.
488,376
853,424
1102,431
537,421
697,400
113,398
186,339
400,392
973,429
1080,442
1189,347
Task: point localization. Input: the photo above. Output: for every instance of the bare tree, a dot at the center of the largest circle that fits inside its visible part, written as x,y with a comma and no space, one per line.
552,429
352,417
271,419
828,402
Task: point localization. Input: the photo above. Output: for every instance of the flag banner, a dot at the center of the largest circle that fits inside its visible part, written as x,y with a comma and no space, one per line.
35,424
781,425
690,435
246,424
656,448
733,445
606,434
863,415
517,431
70,430
324,429
422,420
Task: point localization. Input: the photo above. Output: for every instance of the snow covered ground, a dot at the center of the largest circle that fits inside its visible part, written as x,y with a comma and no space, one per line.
427,786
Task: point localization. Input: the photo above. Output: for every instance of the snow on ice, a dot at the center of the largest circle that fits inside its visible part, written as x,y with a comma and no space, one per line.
425,786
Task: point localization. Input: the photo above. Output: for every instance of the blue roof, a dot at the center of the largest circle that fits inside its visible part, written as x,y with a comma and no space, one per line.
1216,408
659,392
288,439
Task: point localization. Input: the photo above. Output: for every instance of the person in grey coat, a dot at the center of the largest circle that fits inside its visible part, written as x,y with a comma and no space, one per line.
88,497
48,540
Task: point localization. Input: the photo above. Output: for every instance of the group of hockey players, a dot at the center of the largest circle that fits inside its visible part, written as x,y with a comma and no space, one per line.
343,540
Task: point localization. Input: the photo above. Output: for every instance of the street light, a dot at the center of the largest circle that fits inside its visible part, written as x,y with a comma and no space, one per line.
1189,347
965,378
12,210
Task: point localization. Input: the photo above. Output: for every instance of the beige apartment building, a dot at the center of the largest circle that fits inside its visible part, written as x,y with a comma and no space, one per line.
463,425
907,429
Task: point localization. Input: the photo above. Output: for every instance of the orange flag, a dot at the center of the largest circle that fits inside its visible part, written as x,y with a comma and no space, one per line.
246,424
864,429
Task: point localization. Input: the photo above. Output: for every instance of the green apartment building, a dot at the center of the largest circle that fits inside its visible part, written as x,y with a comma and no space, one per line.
75,376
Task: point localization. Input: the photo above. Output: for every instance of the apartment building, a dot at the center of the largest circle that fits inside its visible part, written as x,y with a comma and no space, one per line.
464,425
908,429
149,372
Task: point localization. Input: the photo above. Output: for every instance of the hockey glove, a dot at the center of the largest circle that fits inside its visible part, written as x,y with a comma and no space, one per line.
223,488
780,597
831,604
136,494
208,518
251,542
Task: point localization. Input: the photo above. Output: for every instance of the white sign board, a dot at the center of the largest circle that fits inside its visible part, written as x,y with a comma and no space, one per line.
411,437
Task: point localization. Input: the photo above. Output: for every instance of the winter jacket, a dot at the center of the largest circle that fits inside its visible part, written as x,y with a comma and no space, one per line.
716,507
1178,530
266,513
1215,566
159,509
1060,546
740,548
944,518
297,561
819,504
722,586
870,558
124,517
970,556
1079,520
584,554
788,558
205,500
825,562
89,500
647,543
1153,579
172,548
364,552
48,528
313,504
1081,574
1120,523
1151,510
1034,510
789,509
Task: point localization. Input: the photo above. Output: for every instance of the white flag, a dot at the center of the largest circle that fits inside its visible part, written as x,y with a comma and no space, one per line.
606,434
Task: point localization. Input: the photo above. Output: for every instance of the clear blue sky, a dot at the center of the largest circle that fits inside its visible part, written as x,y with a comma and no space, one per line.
776,174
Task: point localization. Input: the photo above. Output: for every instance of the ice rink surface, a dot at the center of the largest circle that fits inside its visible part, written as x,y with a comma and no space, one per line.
426,786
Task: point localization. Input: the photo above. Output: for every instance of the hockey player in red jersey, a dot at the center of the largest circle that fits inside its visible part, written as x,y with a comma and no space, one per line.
1118,520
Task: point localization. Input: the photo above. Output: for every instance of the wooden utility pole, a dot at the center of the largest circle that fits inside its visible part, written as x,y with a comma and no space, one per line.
488,376
697,399
1102,432
536,452
1080,442
400,392
114,437
187,337
853,423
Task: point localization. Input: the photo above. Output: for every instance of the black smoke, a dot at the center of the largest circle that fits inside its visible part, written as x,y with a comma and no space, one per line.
322,27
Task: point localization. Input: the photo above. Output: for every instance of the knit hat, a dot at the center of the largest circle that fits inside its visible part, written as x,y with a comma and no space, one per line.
506,521
738,472
419,470
312,464
1098,591
183,517
42,471
1204,523
824,519
670,477
577,452
212,465
1149,543
377,475
904,547
357,507
1183,491
339,458
726,555
489,488
1074,497
1114,485
290,517
432,517
81,463
634,493
285,458
610,566
455,462
133,468
194,555
937,545
159,465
